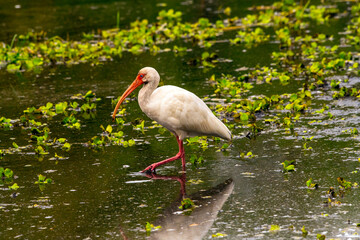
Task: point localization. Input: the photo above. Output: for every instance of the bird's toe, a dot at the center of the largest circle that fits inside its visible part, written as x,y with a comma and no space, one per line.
150,169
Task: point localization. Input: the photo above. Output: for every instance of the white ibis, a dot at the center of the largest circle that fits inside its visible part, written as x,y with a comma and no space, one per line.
180,111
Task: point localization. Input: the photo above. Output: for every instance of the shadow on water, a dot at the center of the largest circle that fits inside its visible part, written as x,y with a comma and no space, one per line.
176,225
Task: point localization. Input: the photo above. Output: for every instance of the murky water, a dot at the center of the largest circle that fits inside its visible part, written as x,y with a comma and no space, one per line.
100,194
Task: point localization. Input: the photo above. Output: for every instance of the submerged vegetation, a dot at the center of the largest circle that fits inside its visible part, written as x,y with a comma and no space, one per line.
310,71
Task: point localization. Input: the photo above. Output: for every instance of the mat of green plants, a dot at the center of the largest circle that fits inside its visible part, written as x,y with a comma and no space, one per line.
283,76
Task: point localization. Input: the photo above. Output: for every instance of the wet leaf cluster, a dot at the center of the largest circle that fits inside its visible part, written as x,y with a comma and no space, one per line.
35,50
6,175
288,166
109,137
316,61
334,195
187,206
43,181
250,37
311,185
35,124
198,142
195,160
24,54
313,58
149,227
7,178
5,123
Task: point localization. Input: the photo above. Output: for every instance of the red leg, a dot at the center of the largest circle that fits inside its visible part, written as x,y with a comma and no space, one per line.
183,156
180,154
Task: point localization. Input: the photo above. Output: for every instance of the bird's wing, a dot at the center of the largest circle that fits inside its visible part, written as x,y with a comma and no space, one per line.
184,114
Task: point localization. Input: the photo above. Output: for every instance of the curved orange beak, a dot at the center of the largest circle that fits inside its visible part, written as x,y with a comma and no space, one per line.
137,82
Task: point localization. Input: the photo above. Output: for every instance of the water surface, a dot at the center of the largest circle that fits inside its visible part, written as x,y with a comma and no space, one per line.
99,194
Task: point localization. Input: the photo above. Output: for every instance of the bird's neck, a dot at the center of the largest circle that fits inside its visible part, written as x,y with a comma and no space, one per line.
145,94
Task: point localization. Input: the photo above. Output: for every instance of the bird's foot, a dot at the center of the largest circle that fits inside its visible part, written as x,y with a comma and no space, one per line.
150,169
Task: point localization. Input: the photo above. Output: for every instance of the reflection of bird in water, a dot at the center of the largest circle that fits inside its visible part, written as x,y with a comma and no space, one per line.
175,225
181,179
180,111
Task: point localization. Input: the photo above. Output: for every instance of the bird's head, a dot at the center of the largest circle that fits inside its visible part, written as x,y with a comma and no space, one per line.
149,75
146,75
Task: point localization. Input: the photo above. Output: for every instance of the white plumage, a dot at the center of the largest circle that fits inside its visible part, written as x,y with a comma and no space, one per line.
180,111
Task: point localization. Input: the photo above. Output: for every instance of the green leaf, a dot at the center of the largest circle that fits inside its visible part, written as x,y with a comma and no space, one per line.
13,67
40,150
15,145
61,140
41,177
109,129
304,232
187,203
7,172
149,227
308,182
274,228
89,94
131,142
74,105
227,11
288,165
205,55
37,61
320,237
66,146
15,187
225,146
219,235
61,107
290,168
244,117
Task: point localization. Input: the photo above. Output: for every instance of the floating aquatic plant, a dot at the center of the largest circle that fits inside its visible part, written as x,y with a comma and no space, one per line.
6,175
6,123
14,187
274,228
320,236
43,181
200,142
195,160
187,205
288,166
149,227
110,137
218,235
311,185
304,232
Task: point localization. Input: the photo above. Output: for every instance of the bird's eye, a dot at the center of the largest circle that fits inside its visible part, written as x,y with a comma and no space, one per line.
141,76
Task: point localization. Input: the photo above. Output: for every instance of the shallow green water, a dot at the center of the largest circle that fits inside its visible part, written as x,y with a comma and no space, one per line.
100,194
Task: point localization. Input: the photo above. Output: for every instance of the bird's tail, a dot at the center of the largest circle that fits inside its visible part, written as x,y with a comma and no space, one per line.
222,131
